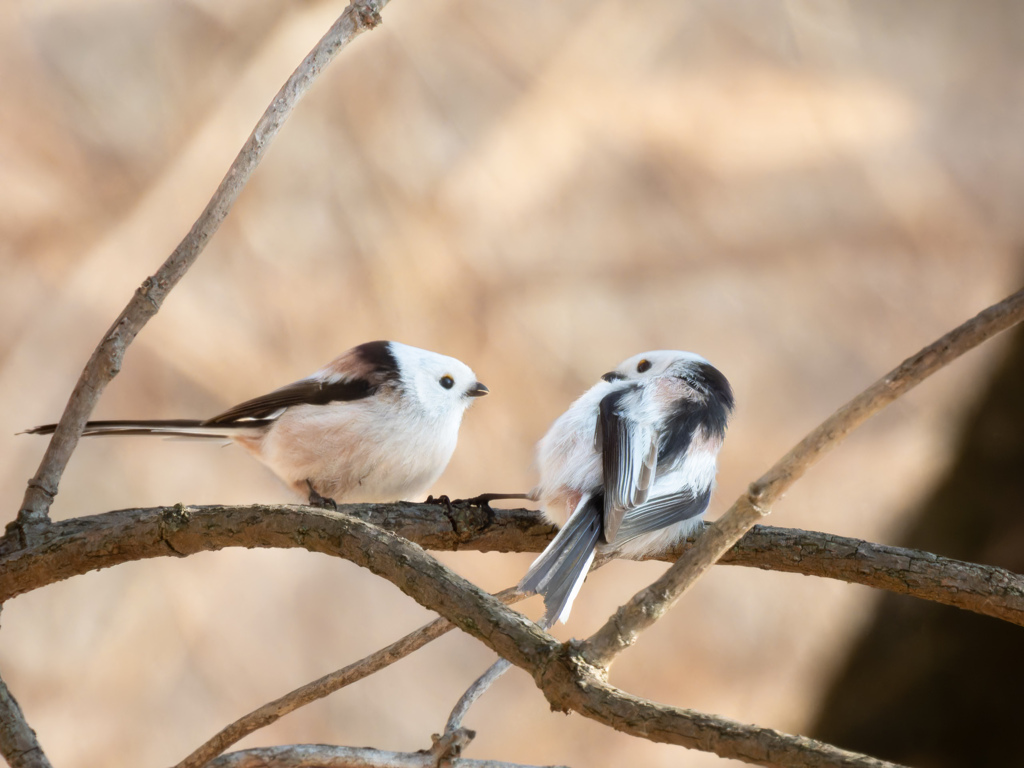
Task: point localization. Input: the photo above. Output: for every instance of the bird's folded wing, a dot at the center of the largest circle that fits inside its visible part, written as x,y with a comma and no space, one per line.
629,453
663,511
311,391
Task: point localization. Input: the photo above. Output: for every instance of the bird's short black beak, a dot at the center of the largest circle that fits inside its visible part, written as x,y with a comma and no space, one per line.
614,376
477,390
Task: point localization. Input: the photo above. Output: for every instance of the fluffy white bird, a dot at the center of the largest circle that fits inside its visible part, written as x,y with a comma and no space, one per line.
379,423
629,468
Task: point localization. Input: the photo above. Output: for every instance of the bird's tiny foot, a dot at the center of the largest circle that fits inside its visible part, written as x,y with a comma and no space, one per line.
484,499
441,501
323,502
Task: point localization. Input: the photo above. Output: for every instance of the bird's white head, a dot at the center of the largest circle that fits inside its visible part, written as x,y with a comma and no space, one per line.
440,385
696,371
655,363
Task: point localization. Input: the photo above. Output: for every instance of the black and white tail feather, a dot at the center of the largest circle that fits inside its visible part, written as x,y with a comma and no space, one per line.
185,428
562,567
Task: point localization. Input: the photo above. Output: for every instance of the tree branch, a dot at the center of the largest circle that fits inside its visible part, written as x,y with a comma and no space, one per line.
324,756
105,362
18,743
560,671
567,681
89,543
86,544
651,603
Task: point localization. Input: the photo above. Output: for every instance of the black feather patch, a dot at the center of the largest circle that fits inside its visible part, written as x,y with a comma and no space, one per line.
363,370
711,412
679,429
305,392
378,356
719,397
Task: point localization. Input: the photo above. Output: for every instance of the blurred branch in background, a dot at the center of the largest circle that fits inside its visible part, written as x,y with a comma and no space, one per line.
18,742
921,683
105,362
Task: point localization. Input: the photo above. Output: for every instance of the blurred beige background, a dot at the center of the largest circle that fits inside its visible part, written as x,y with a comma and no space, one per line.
803,192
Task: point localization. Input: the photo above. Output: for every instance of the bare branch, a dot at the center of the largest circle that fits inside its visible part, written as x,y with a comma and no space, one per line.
324,686
324,756
594,698
650,604
18,743
983,589
86,544
105,362
567,681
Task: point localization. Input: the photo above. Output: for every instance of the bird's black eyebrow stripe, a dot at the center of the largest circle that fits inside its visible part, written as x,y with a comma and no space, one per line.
379,357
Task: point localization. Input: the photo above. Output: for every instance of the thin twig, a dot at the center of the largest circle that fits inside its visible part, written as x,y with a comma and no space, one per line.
105,362
650,604
18,743
485,681
474,692
324,756
324,686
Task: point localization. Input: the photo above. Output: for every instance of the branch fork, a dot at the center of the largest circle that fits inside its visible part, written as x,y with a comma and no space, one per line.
572,676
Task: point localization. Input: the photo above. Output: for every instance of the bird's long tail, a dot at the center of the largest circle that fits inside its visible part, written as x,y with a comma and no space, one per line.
165,427
560,570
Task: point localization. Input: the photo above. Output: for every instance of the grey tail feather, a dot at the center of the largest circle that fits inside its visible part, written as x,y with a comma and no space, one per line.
561,568
162,427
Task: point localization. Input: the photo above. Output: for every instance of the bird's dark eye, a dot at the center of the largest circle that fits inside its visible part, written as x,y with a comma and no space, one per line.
643,365
447,382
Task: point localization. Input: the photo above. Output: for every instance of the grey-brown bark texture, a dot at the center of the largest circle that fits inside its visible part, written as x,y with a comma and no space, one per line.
925,685
17,739
86,544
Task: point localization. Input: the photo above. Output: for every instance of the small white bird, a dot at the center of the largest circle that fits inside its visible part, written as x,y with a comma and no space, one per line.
628,469
379,423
